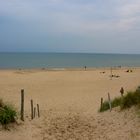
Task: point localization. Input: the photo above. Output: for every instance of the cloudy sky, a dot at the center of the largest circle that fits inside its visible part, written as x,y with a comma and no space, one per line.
98,26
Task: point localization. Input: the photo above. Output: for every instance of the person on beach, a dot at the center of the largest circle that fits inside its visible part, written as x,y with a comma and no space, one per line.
122,91
85,67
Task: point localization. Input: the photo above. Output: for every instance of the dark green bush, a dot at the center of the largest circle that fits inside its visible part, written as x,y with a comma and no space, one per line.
7,114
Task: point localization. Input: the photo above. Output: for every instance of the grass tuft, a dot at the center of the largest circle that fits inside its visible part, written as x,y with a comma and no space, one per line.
116,102
7,114
104,107
130,99
1,103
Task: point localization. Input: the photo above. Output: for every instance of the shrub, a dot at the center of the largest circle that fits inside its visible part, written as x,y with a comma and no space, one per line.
7,114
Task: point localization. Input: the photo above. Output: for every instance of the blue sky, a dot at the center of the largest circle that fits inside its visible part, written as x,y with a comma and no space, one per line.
101,26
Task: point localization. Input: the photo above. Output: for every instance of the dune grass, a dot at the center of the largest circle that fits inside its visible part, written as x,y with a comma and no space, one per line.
1,103
132,98
128,100
114,103
7,113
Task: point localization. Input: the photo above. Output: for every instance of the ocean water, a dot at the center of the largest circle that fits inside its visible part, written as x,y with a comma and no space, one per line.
66,60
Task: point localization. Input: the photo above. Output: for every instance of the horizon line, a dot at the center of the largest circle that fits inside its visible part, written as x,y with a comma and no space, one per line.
68,52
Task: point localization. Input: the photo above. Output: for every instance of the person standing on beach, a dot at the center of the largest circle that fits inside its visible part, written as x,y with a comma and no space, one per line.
122,91
85,67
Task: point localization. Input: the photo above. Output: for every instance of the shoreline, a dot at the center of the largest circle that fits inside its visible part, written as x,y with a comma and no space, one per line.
71,68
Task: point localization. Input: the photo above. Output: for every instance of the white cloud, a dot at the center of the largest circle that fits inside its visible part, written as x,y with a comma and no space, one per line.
129,8
126,24
98,18
128,14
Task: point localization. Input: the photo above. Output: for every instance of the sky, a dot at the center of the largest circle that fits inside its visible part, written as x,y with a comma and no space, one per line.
86,26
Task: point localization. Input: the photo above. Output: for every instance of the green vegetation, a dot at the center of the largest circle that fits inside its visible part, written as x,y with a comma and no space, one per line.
7,113
1,103
105,106
130,99
114,103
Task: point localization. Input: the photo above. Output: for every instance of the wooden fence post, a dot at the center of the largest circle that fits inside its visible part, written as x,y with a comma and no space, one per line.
101,103
111,73
109,101
22,105
32,111
38,112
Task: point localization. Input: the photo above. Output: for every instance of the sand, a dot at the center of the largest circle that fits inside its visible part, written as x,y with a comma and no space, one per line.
69,101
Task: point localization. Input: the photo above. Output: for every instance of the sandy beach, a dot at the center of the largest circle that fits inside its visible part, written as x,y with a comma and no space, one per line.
69,101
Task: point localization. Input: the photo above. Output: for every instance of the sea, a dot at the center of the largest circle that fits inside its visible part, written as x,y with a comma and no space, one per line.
66,60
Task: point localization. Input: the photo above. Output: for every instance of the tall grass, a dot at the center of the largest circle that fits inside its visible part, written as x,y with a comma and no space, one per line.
130,99
1,103
114,103
104,107
7,113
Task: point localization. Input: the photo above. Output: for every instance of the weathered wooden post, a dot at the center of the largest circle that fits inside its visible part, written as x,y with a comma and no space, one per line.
38,111
111,73
101,104
109,101
22,105
32,111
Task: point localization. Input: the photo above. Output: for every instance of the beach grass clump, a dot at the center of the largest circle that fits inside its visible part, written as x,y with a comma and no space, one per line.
130,99
104,107
7,114
138,88
1,103
114,103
